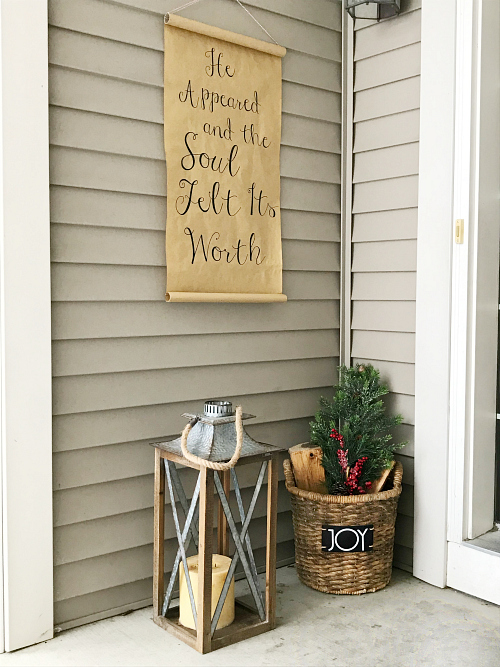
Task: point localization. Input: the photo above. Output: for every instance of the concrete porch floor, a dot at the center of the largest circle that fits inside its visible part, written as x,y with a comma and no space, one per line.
407,624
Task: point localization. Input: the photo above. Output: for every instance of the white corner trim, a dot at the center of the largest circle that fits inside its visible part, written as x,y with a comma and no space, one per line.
346,181
26,326
433,309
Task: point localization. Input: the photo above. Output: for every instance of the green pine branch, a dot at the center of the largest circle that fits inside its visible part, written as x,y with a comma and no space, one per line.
357,412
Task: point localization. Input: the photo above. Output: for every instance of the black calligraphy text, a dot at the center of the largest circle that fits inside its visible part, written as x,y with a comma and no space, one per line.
216,65
206,161
209,250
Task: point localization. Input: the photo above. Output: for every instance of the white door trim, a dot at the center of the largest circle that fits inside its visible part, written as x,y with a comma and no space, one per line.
475,272
26,433
475,302
433,308
463,176
457,304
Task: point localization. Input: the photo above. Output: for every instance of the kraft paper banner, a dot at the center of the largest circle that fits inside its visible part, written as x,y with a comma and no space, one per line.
222,143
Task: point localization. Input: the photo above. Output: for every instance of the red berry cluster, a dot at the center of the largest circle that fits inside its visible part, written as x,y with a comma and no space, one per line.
342,456
336,436
354,475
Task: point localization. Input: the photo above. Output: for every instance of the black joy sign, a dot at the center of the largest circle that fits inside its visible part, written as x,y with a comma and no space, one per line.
346,539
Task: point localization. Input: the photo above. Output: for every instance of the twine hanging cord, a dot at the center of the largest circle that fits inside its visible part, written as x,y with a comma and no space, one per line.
214,465
194,2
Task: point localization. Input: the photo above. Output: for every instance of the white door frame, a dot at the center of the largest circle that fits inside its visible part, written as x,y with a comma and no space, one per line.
25,326
457,300
475,274
475,301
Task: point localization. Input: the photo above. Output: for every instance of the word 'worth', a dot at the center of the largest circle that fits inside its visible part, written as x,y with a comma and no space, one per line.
211,251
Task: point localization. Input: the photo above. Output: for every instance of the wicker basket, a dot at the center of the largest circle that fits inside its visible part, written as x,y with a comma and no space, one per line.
344,573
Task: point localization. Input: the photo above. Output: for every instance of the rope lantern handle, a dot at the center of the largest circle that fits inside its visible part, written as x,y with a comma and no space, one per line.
214,465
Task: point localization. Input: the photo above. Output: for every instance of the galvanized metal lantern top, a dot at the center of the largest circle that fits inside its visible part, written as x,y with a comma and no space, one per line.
213,436
373,9
218,409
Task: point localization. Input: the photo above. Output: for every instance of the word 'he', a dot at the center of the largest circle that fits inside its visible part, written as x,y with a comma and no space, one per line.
216,65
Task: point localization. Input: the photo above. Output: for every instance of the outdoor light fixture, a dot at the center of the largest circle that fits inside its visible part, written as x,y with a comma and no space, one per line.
373,9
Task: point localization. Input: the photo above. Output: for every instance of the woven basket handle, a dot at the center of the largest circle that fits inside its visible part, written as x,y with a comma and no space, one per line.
289,476
333,499
398,475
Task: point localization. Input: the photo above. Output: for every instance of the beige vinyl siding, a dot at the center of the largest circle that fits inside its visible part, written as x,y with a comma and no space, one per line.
125,363
385,191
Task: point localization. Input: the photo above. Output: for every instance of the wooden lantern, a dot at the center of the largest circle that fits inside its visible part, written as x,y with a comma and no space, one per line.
213,438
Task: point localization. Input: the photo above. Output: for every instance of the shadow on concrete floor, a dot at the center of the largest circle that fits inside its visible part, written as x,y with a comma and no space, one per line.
407,624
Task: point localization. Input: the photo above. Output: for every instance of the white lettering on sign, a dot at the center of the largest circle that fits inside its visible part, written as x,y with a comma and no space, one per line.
347,538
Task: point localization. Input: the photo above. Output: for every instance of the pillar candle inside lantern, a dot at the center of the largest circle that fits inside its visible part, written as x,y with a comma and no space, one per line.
220,567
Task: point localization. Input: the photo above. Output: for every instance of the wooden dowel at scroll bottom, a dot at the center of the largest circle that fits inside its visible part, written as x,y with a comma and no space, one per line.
220,297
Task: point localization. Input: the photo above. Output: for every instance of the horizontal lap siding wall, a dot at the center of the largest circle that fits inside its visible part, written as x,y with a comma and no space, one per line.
126,364
385,189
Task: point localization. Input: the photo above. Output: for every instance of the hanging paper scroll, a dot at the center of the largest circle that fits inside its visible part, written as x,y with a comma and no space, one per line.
222,143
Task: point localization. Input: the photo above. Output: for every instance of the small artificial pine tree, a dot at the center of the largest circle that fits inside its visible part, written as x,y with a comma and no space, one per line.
353,431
